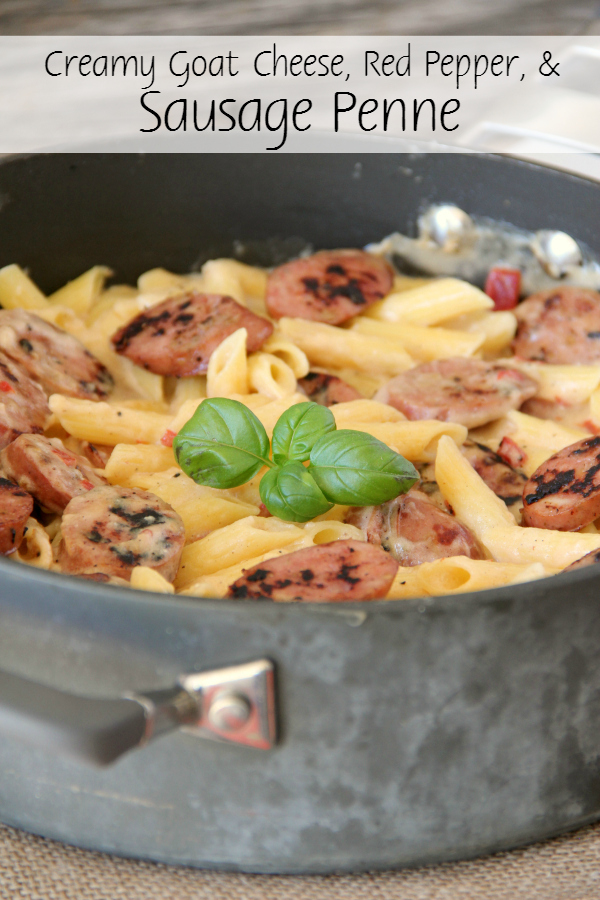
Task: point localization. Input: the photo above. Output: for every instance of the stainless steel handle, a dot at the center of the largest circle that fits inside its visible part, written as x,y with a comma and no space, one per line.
235,704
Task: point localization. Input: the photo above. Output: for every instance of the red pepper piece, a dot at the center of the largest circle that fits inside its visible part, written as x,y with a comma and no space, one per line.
504,287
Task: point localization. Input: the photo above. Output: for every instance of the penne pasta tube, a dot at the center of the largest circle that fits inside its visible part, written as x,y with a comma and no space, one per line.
459,574
329,346
127,460
18,291
103,423
422,343
562,384
352,411
473,502
554,549
435,302
270,375
289,353
145,579
81,294
107,299
228,367
192,387
161,281
496,328
234,279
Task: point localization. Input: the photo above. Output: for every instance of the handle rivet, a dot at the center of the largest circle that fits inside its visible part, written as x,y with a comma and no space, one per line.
229,711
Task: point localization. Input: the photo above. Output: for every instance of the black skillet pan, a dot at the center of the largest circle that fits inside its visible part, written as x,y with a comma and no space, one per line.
401,733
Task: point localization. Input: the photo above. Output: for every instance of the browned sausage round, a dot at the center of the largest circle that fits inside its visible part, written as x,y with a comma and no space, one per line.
16,506
178,336
503,480
50,473
326,573
327,390
55,359
468,391
23,405
330,286
112,529
590,559
559,326
564,492
414,530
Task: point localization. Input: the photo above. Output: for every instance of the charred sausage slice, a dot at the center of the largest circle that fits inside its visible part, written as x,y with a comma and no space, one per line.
468,391
326,573
16,505
327,390
414,530
53,358
23,405
178,336
112,529
50,473
503,480
564,492
330,286
560,326
590,559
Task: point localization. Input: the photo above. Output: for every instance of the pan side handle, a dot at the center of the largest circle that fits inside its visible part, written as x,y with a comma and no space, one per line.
236,704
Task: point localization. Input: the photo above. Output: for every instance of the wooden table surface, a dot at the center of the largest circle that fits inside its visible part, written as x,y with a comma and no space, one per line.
305,17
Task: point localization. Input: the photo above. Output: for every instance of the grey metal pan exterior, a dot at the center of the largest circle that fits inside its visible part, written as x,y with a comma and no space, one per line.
411,731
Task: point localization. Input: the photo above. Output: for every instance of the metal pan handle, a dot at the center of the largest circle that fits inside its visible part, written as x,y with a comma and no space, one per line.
235,704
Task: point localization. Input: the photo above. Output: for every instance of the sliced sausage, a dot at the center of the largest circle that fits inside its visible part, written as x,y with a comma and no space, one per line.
468,391
53,358
178,336
327,390
503,480
564,492
326,573
560,326
16,505
111,530
590,559
414,530
23,405
52,474
330,286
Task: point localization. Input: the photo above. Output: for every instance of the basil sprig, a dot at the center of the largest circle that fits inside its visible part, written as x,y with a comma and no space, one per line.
224,445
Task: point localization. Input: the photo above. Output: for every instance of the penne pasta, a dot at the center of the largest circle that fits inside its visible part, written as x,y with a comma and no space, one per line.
326,345
82,293
228,367
432,303
17,290
271,376
422,343
102,423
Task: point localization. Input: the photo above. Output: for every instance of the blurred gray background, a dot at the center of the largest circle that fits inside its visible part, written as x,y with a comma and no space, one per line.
547,17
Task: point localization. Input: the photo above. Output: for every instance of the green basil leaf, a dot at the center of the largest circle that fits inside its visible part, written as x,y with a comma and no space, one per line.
223,445
355,469
297,430
291,494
